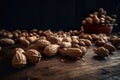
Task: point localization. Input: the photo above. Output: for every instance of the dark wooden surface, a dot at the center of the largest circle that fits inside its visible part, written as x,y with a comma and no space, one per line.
53,68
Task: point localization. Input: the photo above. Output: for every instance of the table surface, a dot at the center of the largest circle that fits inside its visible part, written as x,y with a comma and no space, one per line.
54,68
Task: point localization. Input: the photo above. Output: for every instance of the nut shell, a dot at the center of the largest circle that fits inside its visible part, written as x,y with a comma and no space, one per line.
19,60
42,43
33,55
51,50
102,52
71,52
6,42
110,47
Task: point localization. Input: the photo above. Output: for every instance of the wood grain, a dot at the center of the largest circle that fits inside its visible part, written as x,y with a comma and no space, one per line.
60,68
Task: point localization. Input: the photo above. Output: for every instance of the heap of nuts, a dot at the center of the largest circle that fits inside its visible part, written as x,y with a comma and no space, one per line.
23,46
99,17
105,45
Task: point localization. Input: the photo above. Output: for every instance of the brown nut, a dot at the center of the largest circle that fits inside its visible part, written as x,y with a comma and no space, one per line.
54,39
102,52
113,38
89,20
86,41
67,39
94,37
81,43
99,43
9,35
71,52
6,42
101,11
116,43
51,50
33,55
65,44
33,46
96,19
19,60
91,15
110,47
42,43
75,46
18,50
74,37
86,36
24,42
83,49
84,22
75,41
32,39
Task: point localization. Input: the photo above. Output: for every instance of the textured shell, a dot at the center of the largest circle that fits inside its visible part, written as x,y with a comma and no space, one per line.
101,51
33,55
51,50
6,41
19,60
86,41
65,44
110,47
71,52
41,43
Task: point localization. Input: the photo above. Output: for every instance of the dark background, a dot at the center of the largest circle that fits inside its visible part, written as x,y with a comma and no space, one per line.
52,14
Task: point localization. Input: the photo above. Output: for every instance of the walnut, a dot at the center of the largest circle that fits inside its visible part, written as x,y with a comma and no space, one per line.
32,39
24,42
19,59
102,52
116,43
42,43
18,50
33,55
51,50
54,39
110,47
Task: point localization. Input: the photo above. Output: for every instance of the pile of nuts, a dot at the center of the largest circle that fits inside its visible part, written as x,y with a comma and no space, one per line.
23,46
99,17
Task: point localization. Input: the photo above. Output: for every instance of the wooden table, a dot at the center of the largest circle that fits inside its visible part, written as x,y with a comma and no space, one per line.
54,68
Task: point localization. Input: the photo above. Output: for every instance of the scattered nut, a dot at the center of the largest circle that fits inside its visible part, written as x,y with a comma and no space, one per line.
71,52
102,52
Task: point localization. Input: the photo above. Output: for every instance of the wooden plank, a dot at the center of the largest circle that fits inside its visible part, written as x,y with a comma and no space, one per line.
54,69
